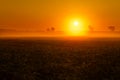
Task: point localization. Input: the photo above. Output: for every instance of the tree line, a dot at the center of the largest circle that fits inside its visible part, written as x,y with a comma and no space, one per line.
110,28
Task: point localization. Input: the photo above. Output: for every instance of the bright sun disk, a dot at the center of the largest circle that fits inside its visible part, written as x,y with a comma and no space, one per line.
76,23
76,28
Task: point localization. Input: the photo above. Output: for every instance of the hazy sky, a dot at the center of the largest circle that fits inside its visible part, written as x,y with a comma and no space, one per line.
40,14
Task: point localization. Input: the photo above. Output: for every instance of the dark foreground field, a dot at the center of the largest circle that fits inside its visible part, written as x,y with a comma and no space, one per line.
95,59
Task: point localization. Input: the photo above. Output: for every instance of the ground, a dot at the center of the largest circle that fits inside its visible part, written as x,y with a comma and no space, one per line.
44,59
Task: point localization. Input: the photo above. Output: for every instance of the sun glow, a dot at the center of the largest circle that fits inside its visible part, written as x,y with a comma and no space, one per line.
76,23
76,28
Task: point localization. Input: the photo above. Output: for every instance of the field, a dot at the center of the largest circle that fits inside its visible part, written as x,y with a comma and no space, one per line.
47,59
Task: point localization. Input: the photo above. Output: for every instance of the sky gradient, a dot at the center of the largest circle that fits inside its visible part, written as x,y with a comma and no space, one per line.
40,14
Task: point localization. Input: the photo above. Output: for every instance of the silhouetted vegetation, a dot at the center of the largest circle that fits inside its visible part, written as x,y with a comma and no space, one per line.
48,29
51,29
97,59
111,28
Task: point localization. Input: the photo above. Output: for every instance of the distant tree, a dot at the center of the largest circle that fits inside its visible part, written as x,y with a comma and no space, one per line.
52,29
90,28
111,28
48,29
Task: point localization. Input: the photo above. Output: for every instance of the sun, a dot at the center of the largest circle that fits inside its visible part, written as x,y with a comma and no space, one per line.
76,28
76,23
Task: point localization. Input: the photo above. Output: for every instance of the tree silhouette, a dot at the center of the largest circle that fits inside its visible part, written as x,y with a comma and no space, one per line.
111,28
91,28
48,29
52,29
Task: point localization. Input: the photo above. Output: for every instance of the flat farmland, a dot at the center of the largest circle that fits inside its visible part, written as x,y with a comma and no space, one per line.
54,59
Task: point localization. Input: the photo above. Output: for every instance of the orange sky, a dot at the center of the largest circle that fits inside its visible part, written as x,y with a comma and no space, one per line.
40,14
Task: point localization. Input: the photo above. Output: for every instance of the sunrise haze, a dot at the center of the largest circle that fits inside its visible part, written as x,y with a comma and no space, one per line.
37,15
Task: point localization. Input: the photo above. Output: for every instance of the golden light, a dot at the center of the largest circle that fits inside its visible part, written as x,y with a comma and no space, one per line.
76,23
76,28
